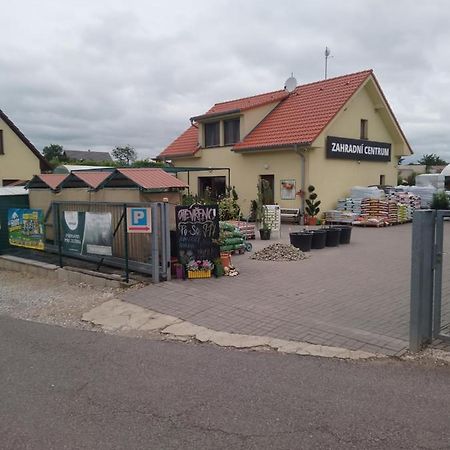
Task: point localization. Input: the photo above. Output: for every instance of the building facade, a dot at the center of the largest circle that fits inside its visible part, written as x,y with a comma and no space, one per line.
333,134
19,158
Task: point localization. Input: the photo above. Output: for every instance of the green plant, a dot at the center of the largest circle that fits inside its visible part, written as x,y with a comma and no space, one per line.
312,204
228,209
440,201
261,208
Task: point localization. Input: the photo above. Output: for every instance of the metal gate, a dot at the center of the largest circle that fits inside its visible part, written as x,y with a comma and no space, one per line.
430,288
145,253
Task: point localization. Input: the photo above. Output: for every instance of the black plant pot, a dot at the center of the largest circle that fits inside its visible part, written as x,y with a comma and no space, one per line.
346,233
333,237
264,234
301,240
319,239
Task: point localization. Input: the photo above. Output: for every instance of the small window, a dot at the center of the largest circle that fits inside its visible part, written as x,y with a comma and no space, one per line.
231,130
211,187
2,152
212,134
364,131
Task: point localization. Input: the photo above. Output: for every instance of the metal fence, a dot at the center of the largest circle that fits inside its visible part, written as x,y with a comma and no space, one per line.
140,252
430,289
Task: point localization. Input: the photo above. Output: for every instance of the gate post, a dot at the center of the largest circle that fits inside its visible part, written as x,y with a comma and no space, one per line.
422,262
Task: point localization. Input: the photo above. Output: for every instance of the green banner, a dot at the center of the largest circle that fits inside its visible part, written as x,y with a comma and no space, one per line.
73,231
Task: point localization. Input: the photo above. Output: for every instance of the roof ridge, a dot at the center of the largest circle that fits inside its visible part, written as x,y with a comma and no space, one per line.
368,71
279,91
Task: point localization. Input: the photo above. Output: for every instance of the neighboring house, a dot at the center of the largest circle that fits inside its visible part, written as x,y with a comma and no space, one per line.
19,158
82,156
334,134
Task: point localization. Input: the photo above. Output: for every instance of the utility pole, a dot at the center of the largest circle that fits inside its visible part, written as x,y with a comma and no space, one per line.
327,54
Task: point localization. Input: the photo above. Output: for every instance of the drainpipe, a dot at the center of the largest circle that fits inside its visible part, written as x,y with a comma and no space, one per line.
302,177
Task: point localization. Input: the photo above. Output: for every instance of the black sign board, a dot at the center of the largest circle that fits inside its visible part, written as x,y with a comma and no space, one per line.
197,232
357,149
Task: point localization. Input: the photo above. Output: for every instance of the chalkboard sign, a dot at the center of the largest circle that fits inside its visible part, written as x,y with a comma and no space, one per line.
197,232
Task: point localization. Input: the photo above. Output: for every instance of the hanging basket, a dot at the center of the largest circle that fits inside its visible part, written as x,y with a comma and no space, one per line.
199,274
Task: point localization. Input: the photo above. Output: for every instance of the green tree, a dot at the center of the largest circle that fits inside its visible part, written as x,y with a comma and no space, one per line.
53,152
432,160
124,155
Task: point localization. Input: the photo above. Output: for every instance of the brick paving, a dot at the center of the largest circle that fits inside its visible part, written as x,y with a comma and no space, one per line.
354,296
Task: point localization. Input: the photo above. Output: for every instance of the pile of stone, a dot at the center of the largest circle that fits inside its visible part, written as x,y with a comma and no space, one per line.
279,252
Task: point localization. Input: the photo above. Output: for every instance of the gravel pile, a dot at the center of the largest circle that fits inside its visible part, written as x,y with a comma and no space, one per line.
279,252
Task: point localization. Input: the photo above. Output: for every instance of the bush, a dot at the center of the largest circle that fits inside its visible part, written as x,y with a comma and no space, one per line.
440,201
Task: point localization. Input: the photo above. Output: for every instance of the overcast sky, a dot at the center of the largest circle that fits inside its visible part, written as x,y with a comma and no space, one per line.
103,73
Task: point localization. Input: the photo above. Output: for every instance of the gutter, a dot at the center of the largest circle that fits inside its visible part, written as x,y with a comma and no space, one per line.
303,177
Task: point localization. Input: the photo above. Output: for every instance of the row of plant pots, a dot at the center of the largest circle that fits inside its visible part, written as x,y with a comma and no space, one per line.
320,238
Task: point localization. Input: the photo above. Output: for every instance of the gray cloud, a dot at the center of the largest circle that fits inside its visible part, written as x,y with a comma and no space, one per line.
106,73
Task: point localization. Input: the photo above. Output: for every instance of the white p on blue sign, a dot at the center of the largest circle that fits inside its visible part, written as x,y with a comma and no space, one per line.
139,220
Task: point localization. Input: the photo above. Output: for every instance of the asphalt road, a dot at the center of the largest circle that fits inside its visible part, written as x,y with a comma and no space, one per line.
64,388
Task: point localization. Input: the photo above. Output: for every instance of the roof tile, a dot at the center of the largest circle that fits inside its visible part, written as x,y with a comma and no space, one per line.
152,178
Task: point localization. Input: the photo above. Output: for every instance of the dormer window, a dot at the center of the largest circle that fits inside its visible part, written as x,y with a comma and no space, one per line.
212,134
231,131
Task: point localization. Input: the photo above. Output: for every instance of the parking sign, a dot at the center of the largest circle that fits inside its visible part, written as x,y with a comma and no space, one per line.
139,220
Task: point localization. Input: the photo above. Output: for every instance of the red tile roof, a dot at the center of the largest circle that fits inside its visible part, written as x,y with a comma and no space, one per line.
52,180
93,178
298,119
305,113
243,104
152,178
184,145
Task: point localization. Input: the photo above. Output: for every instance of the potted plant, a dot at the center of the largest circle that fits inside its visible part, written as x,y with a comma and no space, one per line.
261,210
312,206
440,201
199,268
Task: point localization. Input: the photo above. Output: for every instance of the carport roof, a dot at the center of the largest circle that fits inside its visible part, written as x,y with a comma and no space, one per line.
45,181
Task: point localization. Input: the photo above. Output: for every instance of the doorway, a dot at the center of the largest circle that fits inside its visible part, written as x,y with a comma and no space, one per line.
268,195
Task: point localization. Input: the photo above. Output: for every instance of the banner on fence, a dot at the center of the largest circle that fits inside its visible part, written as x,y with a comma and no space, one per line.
197,232
73,231
87,233
26,228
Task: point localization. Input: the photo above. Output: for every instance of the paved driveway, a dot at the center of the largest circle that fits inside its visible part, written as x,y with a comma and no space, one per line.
354,296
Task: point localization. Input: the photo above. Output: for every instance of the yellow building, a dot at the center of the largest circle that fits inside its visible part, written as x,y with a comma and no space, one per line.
333,134
19,158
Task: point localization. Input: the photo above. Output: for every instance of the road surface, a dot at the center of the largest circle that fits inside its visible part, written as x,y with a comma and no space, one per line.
65,388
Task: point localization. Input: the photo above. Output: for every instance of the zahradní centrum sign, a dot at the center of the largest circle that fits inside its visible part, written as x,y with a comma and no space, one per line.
358,149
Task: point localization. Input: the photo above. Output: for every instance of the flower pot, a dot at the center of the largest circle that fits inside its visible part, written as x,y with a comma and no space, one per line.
264,234
199,274
346,233
179,271
218,270
312,220
319,239
333,237
301,240
225,259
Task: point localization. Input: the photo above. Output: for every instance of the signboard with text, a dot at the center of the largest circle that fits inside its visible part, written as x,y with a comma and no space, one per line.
357,149
197,232
26,228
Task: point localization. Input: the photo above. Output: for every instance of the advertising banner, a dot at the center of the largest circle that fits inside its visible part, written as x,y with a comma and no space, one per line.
26,228
357,149
72,231
98,235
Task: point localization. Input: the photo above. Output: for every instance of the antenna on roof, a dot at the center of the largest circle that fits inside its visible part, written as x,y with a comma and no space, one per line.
291,83
327,55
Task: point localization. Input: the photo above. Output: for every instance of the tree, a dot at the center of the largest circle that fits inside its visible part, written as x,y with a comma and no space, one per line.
432,160
124,155
139,163
53,152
